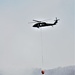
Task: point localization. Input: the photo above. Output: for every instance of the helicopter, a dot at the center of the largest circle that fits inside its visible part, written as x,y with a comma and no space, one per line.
44,24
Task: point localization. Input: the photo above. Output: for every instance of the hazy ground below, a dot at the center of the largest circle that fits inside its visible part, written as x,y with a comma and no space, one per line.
70,70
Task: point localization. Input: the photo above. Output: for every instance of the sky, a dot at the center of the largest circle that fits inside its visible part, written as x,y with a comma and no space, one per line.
20,43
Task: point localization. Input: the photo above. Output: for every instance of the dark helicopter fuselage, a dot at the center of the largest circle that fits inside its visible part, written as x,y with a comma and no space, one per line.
43,24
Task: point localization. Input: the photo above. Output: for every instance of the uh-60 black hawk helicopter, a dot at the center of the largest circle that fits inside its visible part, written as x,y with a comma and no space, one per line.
43,24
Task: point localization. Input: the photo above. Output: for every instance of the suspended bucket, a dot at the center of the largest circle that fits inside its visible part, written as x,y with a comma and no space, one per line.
42,71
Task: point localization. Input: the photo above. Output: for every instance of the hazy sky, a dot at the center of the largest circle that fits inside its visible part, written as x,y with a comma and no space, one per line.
20,43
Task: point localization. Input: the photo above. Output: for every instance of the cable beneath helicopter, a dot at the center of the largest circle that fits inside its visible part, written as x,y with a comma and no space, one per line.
42,45
42,71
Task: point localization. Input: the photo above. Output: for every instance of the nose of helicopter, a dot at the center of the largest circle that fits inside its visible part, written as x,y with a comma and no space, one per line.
34,26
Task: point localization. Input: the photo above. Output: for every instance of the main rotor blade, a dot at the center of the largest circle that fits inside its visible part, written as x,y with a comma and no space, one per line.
46,20
41,21
31,22
36,21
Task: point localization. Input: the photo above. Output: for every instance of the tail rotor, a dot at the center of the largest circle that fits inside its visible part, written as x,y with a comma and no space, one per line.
57,19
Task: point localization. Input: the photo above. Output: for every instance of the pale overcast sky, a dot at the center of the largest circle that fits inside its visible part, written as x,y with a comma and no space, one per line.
20,43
